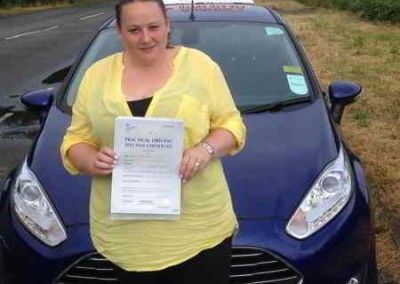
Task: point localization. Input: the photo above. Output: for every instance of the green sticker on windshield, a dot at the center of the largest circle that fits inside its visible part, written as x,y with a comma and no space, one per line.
292,69
273,31
297,84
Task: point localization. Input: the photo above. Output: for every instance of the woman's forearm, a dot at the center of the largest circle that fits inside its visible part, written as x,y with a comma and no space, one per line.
198,157
82,156
92,161
222,141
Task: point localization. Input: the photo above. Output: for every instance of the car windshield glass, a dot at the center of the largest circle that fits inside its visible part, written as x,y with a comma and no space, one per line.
260,63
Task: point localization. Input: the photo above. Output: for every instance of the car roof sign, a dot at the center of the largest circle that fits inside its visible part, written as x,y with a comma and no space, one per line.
177,2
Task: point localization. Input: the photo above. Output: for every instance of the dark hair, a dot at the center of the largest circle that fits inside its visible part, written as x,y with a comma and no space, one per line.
121,3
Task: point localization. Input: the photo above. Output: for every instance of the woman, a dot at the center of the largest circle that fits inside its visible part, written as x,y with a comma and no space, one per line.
153,79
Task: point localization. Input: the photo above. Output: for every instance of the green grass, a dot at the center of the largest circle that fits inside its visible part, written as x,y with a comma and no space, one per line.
363,117
31,3
380,10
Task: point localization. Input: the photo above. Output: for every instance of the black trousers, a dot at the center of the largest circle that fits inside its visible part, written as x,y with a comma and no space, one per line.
211,266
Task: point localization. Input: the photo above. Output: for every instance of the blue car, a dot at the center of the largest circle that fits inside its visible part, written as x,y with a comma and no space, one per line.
300,193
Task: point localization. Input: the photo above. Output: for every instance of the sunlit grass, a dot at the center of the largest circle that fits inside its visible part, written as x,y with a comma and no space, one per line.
27,9
344,47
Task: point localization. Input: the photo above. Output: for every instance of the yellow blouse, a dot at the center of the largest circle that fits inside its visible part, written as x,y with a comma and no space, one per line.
196,93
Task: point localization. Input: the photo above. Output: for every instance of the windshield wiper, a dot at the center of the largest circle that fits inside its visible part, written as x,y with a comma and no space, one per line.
274,106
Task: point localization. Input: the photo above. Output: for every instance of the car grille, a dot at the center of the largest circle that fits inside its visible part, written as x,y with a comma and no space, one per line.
255,266
249,265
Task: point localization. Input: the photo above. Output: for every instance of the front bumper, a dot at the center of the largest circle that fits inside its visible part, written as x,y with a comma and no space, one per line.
26,260
335,254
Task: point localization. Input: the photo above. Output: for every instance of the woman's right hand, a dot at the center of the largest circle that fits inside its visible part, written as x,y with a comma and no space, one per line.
104,161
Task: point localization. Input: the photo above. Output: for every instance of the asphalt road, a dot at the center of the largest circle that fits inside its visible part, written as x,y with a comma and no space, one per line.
32,46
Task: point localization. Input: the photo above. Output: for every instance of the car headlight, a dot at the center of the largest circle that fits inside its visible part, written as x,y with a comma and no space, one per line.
34,209
326,198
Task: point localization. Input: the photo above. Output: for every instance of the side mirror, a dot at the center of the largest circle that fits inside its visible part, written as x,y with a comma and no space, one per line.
39,101
342,93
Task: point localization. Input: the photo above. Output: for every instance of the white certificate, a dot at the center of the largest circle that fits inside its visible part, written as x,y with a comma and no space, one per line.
145,181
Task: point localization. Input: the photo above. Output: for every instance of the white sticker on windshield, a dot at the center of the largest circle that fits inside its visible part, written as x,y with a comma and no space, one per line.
273,31
297,84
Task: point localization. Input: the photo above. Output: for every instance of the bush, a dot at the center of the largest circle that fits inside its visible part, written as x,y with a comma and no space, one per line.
13,3
381,10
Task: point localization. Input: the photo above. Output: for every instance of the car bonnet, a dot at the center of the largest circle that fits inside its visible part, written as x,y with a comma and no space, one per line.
284,153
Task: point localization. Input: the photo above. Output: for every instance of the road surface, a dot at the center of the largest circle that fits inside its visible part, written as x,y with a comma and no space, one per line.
32,46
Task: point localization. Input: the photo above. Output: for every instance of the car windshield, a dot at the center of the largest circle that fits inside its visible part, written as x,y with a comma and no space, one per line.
260,63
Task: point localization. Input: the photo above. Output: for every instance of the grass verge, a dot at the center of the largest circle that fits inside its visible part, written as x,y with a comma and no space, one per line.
16,10
380,10
344,47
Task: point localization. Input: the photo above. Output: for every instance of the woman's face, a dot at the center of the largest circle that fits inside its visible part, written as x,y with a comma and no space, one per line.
144,30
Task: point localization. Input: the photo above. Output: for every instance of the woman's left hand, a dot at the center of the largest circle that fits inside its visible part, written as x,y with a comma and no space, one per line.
194,160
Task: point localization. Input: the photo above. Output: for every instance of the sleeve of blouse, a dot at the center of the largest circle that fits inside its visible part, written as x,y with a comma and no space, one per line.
224,113
80,130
